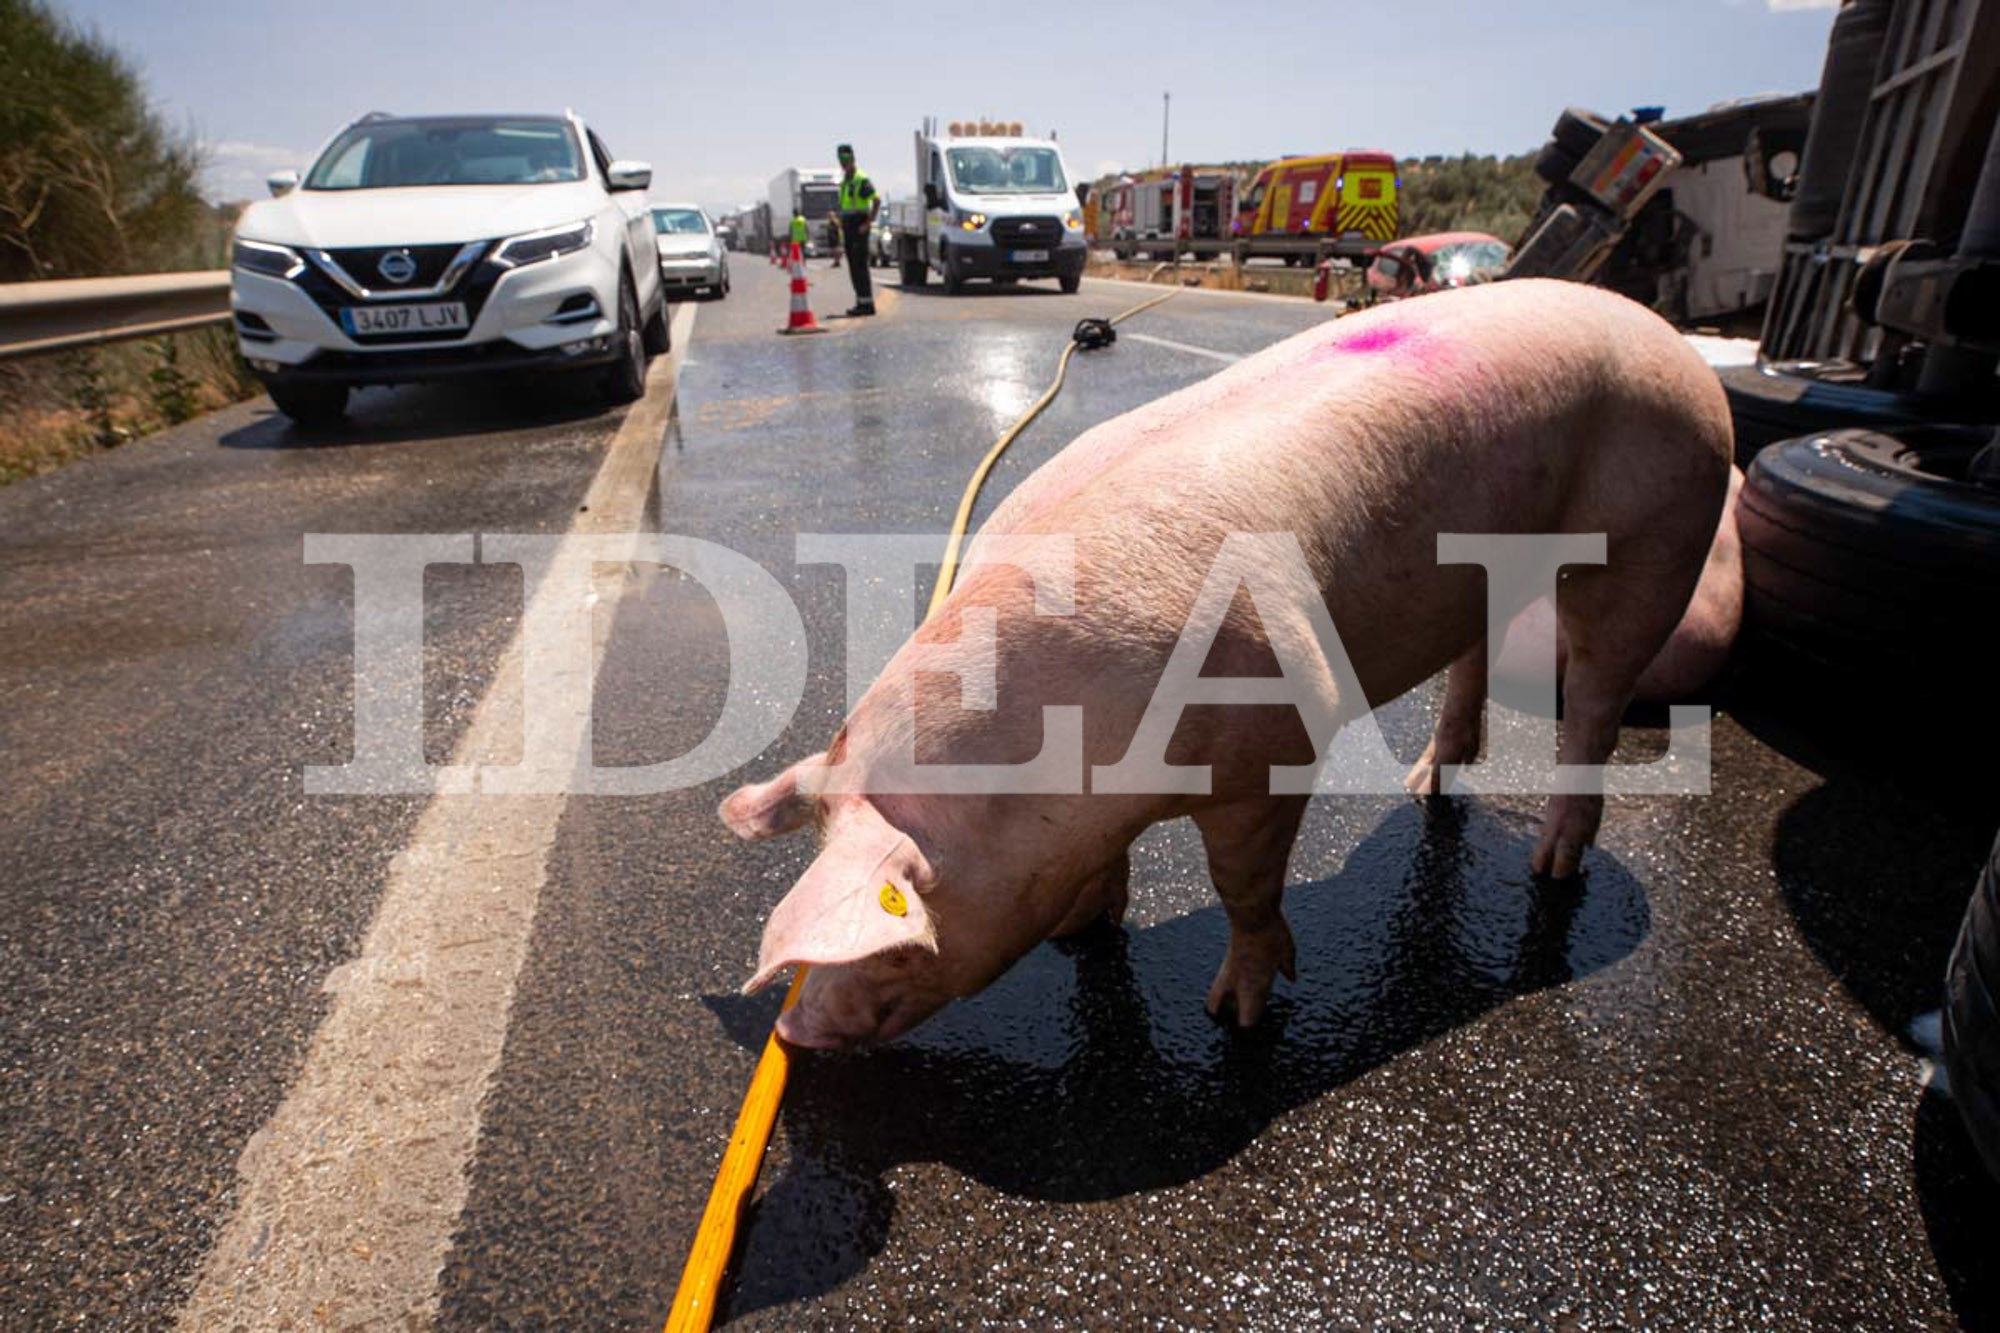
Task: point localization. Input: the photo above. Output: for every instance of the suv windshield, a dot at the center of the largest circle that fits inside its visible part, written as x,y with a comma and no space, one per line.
456,150
679,222
982,170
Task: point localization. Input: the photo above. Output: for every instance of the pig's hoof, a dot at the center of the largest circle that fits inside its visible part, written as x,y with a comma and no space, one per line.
1426,777
1569,825
1253,961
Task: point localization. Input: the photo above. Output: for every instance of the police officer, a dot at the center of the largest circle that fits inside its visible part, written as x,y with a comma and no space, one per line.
799,232
858,206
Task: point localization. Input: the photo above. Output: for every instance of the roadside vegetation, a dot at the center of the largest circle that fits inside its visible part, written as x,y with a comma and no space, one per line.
93,183
1496,195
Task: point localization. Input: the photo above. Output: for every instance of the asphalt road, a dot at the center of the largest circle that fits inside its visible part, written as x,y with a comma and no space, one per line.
1682,1093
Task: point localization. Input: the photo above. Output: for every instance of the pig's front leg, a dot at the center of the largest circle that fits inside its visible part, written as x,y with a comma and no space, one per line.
1461,721
1249,843
1102,897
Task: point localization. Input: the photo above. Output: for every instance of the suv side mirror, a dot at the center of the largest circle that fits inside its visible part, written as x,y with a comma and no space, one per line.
281,182
625,174
1083,193
933,196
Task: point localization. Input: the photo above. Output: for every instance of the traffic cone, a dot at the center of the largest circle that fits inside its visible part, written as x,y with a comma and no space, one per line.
802,320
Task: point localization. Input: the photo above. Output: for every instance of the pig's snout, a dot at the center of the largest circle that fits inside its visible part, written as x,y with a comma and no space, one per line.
840,1008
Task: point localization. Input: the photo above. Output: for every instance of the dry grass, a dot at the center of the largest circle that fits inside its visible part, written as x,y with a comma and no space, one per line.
56,409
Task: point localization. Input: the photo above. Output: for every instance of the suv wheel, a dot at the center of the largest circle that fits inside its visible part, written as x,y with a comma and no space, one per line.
309,403
659,335
625,379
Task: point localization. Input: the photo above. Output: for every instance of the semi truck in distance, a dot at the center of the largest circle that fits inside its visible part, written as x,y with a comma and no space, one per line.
813,191
991,204
751,229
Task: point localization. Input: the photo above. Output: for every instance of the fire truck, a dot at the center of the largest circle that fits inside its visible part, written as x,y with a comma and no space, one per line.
1168,212
1306,208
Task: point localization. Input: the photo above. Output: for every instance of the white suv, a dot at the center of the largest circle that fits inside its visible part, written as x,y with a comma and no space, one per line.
426,246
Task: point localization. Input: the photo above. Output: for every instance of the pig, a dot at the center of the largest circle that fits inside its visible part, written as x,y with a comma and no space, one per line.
1520,407
1695,652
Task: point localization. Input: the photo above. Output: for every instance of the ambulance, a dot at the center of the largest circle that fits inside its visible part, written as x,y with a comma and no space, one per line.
1299,207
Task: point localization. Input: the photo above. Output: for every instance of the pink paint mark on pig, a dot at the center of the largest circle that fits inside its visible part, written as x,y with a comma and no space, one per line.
1370,340
1400,344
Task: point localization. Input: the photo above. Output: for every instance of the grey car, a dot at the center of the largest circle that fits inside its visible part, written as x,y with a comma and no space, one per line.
693,262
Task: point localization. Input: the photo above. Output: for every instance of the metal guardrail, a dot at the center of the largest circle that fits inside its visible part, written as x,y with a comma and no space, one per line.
38,317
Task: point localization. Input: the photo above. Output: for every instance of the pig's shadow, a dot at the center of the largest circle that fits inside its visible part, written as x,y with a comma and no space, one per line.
1091,1071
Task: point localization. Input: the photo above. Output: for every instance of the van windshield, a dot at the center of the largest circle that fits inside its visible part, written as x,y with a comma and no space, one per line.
978,169
459,150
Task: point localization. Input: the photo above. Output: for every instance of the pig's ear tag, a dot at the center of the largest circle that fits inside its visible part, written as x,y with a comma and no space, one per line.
892,900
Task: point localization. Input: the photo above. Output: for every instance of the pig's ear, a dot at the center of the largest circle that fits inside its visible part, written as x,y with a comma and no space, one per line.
858,898
766,809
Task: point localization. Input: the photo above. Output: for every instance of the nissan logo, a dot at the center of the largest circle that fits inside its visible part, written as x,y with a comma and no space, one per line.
397,266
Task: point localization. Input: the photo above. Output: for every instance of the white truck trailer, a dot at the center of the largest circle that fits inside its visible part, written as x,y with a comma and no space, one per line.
813,191
990,204
753,228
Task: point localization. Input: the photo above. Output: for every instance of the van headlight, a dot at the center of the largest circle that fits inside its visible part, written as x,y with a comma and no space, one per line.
1073,220
535,246
273,261
971,221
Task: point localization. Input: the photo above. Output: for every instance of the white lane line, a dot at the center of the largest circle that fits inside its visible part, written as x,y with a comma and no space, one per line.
1189,348
347,1198
1225,293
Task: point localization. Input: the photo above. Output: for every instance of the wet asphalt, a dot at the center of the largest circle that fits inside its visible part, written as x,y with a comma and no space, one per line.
1677,1093
170,898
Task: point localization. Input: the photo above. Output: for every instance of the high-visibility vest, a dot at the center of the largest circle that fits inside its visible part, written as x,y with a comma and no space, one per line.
798,229
855,192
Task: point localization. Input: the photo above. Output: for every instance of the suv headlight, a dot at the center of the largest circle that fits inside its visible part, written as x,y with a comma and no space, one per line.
534,246
273,261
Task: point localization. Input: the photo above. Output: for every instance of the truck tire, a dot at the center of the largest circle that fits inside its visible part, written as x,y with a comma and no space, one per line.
1555,163
1845,85
1577,131
1873,552
1972,1016
954,281
1768,403
915,272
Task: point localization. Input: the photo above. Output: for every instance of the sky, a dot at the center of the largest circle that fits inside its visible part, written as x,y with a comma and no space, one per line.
721,96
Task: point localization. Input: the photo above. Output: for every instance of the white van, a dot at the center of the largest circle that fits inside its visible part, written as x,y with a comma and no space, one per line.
991,204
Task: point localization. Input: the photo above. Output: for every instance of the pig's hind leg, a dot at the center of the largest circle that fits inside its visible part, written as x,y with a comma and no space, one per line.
1461,719
1249,843
1614,619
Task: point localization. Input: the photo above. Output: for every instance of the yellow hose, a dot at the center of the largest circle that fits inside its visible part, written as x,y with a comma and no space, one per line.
715,1240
